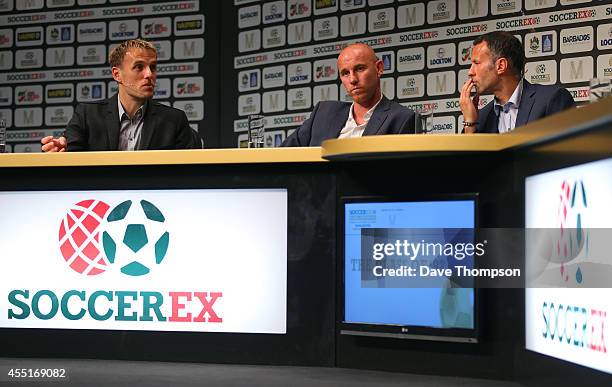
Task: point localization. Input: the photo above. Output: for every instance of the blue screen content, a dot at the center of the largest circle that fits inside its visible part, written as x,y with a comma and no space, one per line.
434,307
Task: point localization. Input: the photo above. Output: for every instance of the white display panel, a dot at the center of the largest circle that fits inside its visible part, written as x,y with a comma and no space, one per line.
572,320
163,260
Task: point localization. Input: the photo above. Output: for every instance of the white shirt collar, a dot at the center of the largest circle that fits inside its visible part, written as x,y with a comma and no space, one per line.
351,129
366,117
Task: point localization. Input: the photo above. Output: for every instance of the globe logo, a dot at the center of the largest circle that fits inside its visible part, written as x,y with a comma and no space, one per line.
132,236
79,237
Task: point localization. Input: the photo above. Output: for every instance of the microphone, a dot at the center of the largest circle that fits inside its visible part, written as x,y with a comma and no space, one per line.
134,87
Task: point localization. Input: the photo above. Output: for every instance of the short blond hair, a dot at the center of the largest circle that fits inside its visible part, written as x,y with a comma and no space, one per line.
118,53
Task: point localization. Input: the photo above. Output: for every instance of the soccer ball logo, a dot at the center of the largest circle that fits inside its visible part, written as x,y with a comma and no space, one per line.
135,237
132,236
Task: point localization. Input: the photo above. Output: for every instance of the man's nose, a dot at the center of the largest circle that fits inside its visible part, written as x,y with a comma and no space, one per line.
147,72
353,77
471,71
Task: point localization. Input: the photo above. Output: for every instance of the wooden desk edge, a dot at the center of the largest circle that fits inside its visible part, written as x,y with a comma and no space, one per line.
196,156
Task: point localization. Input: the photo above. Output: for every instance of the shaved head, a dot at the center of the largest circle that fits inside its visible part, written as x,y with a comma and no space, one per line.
360,71
363,49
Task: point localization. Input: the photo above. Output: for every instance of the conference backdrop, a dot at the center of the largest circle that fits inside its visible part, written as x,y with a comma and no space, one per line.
286,51
53,55
222,61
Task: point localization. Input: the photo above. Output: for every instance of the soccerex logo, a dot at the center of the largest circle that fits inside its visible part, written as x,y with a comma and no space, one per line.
572,236
93,238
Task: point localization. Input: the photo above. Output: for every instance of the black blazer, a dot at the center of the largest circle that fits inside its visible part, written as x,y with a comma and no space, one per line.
95,127
537,101
328,118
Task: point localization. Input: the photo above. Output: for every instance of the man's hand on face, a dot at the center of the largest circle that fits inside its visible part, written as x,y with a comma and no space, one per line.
469,104
51,144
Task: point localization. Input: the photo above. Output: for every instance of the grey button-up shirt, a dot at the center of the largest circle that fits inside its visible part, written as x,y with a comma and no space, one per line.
130,128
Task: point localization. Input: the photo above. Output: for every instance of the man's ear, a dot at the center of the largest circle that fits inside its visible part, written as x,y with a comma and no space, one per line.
380,67
116,74
501,66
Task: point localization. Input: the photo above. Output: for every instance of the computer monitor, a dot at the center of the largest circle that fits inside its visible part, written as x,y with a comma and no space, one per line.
398,305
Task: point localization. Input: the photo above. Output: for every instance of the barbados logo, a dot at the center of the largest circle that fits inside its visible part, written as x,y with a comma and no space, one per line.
93,237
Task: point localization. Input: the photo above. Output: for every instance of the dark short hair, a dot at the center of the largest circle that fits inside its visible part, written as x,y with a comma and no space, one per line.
116,56
503,44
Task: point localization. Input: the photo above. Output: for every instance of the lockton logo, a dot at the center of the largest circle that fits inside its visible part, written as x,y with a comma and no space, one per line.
604,36
442,55
299,73
273,12
123,29
92,238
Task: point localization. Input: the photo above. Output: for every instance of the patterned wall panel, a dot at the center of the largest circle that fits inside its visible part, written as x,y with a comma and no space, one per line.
53,55
285,54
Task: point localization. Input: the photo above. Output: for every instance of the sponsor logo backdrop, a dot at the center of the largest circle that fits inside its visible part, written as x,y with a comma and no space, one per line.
289,48
53,55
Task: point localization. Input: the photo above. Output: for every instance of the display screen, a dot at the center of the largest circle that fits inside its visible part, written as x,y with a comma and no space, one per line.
567,312
156,260
379,235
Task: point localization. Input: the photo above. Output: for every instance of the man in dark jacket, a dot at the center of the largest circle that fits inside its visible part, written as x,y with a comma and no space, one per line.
371,113
497,67
129,120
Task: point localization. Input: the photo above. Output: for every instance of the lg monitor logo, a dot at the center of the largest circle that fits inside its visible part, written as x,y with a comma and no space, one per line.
132,235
